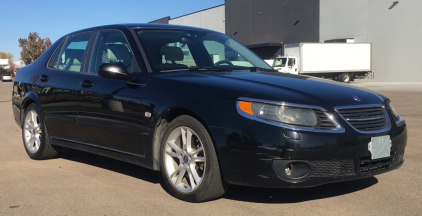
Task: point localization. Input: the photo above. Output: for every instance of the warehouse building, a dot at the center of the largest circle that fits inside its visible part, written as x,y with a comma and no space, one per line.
264,26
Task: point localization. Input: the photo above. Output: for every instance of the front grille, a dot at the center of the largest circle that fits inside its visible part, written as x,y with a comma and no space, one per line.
368,165
366,118
324,122
325,168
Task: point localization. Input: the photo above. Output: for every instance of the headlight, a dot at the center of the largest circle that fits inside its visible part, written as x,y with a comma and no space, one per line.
397,118
393,111
280,113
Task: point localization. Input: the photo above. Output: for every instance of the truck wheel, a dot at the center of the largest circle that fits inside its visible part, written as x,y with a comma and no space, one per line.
344,77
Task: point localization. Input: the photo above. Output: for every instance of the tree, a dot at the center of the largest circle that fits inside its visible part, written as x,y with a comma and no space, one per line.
2,70
12,69
33,47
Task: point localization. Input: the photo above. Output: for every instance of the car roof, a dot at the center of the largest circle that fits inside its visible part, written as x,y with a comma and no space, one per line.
142,25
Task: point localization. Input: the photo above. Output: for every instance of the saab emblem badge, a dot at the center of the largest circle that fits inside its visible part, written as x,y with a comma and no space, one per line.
185,159
356,98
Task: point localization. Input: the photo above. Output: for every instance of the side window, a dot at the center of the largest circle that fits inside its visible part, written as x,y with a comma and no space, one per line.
55,57
73,52
110,47
292,62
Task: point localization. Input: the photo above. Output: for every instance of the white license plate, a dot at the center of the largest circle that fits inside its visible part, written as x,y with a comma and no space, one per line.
380,147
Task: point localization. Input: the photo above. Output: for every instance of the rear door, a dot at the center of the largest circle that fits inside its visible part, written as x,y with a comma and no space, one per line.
60,81
110,111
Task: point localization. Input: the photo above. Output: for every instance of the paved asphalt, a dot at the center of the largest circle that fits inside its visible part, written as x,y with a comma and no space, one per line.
80,183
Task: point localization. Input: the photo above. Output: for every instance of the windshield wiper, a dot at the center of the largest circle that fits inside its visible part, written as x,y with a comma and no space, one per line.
254,69
197,69
193,68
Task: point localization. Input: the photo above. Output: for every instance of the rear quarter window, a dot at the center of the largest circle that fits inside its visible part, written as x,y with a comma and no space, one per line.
71,57
55,57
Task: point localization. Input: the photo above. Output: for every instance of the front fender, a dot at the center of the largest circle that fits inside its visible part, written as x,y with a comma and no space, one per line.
211,111
201,109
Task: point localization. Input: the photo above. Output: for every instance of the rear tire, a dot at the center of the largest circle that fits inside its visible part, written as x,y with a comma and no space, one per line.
344,77
189,163
35,137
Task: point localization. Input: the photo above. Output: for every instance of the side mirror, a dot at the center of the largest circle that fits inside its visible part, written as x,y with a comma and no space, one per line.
114,71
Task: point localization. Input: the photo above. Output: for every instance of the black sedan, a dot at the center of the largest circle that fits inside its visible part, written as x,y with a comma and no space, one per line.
202,109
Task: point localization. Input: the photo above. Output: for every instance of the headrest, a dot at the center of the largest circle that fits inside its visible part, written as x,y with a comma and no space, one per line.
117,52
172,53
74,53
74,62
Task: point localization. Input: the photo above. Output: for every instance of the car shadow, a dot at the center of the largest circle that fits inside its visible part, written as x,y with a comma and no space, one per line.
296,195
239,193
114,165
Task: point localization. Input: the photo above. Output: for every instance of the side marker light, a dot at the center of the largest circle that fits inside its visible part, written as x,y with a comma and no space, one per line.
246,107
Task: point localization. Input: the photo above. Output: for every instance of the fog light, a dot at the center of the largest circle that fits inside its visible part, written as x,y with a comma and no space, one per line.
288,169
297,170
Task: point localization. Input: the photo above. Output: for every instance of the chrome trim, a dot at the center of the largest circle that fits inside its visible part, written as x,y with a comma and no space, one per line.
281,103
358,106
387,119
333,120
365,119
338,128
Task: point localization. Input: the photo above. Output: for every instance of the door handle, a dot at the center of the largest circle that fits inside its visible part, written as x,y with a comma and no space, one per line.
87,84
43,78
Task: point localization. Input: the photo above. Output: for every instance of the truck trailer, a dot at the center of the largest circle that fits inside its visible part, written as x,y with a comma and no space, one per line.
343,62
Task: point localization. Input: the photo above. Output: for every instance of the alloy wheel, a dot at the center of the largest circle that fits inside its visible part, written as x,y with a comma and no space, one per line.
184,159
32,131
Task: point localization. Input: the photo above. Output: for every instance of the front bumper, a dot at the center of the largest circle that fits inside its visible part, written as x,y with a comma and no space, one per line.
257,155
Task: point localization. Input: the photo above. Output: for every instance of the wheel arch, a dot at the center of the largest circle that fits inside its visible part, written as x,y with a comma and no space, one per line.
162,121
29,99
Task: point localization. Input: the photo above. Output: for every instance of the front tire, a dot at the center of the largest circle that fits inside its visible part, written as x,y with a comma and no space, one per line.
35,137
189,162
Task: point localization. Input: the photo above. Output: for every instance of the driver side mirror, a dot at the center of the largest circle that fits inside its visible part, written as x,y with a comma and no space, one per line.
114,71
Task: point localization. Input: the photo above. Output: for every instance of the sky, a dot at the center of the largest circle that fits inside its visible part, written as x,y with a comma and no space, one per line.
56,18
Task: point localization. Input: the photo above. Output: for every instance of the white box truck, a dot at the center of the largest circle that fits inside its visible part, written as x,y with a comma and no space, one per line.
340,61
4,63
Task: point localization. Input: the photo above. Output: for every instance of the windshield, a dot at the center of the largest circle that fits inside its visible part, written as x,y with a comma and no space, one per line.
173,49
6,74
280,62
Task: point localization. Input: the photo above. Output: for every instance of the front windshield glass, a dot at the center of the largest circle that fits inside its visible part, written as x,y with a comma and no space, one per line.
280,62
174,49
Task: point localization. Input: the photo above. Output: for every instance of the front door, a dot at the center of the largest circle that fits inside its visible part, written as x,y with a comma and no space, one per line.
110,111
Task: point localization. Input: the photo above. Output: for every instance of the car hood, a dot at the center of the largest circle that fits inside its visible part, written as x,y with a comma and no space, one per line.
272,86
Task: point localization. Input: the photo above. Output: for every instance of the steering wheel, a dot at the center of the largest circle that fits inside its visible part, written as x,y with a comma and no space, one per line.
223,62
